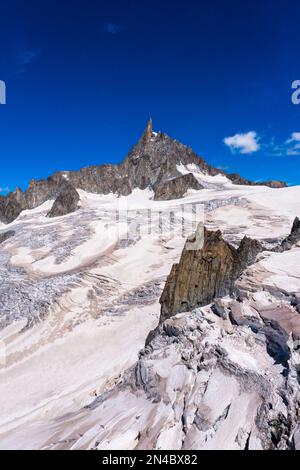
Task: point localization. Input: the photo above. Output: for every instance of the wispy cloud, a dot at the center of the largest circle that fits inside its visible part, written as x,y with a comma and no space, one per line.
289,147
22,59
295,137
243,143
27,56
293,144
112,28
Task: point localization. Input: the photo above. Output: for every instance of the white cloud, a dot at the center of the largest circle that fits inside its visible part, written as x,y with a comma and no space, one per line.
293,144
295,137
243,143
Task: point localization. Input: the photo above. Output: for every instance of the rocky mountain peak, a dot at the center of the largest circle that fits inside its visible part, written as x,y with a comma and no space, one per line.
148,131
154,163
18,192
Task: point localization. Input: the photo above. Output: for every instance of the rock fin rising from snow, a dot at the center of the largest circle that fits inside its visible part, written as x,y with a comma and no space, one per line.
204,274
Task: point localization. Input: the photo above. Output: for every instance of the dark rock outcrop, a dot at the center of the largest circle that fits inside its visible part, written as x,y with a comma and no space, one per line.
237,179
248,250
219,310
40,191
291,239
6,235
175,188
66,202
206,273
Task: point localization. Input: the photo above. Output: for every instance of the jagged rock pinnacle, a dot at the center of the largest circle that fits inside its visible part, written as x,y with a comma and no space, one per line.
148,131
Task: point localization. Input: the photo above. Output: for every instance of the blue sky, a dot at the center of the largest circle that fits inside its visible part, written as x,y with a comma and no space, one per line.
83,77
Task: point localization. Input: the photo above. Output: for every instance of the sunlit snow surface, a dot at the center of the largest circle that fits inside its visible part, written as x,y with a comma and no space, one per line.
78,298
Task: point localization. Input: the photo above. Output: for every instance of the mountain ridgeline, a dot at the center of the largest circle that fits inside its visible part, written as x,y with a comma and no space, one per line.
152,163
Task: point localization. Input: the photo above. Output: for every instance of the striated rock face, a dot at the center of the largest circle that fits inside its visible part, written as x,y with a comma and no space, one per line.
39,192
176,188
66,202
10,208
102,179
205,273
237,179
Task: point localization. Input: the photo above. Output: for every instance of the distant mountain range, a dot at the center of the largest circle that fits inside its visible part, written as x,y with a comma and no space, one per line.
154,162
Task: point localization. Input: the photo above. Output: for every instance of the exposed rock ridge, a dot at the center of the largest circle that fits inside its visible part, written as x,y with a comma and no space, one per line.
237,179
205,273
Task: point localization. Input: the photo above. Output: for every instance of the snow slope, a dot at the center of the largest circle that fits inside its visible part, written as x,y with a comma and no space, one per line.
79,297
